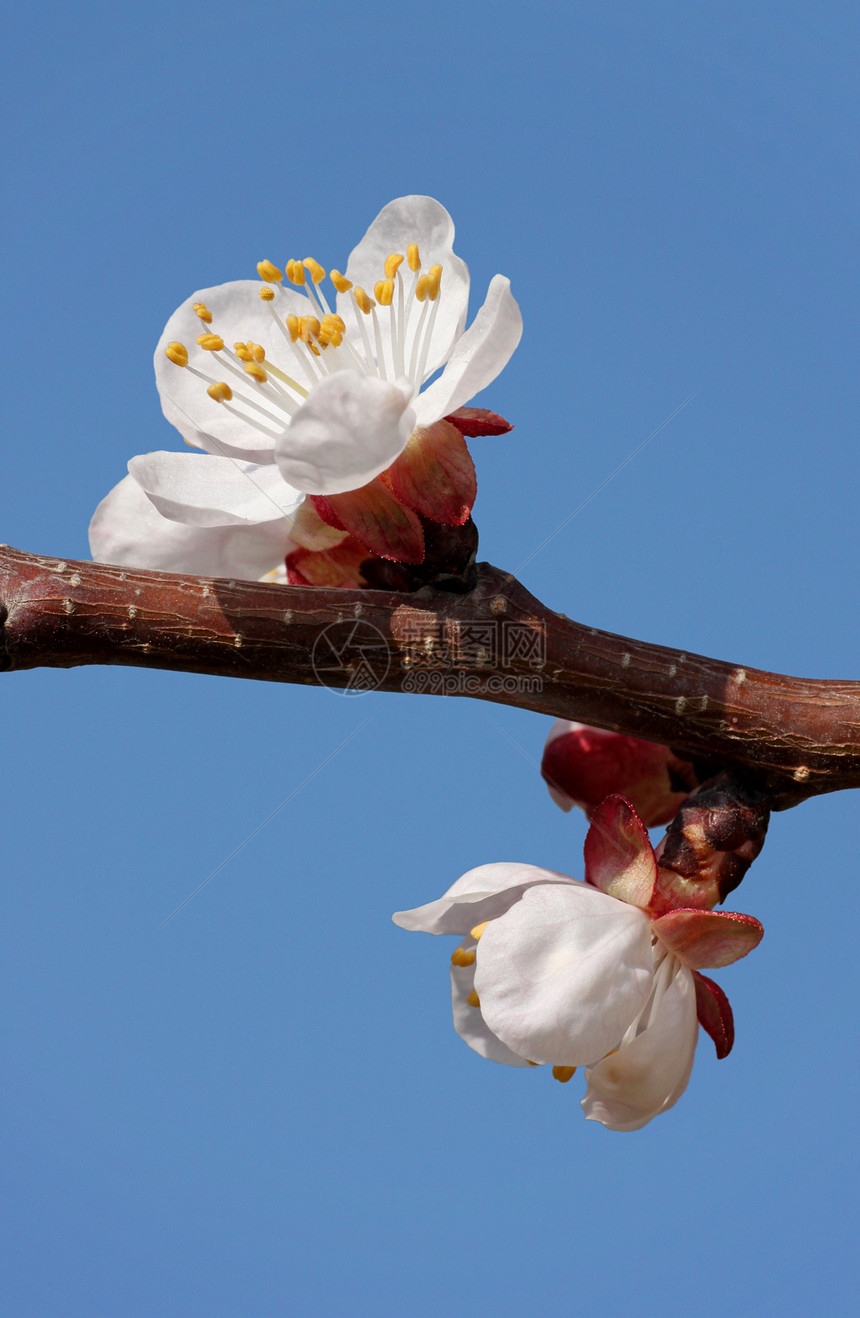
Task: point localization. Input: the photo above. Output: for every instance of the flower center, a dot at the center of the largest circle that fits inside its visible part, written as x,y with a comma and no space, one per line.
389,338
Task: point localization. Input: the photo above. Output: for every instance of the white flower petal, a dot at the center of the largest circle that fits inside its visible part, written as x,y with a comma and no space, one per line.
478,357
350,429
470,1024
563,973
481,894
201,490
650,1074
127,529
238,314
424,221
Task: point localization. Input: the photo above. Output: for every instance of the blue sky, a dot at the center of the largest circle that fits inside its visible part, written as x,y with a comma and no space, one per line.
261,1106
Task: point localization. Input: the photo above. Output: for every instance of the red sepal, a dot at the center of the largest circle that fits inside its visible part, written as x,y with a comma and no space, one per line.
714,1013
435,474
475,421
619,858
326,512
377,519
338,566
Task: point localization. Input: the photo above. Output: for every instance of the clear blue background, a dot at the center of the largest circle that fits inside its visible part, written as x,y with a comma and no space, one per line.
261,1106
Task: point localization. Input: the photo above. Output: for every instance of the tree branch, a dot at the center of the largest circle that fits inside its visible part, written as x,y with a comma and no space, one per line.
797,737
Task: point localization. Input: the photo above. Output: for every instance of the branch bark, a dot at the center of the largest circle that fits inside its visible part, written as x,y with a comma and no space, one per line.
795,737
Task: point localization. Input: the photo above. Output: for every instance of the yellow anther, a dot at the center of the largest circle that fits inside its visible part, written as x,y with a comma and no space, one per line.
295,272
266,270
413,260
337,321
341,283
310,328
202,312
422,288
383,291
563,1073
221,392
392,264
462,956
473,999
210,342
256,372
314,269
267,294
478,930
364,300
435,273
294,327
177,353
243,352
257,351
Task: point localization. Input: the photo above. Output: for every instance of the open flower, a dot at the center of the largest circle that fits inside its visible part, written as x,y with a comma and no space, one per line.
290,393
556,972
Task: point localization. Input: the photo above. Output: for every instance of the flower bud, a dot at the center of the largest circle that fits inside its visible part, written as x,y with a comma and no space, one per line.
582,765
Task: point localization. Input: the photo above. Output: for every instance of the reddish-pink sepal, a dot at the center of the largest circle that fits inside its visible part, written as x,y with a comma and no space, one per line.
377,519
619,859
326,512
435,474
708,939
475,421
715,1013
338,566
582,765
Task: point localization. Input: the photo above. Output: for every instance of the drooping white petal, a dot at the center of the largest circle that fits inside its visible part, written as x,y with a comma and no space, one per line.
478,357
648,1075
201,490
247,428
470,1024
424,221
480,894
127,529
563,973
350,429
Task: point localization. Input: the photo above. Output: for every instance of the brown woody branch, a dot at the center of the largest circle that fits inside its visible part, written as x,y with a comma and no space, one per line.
796,737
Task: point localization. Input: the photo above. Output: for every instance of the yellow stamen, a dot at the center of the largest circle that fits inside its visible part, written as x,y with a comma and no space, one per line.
221,392
295,272
473,999
257,351
314,269
294,326
364,300
412,257
256,372
422,288
310,328
478,930
243,352
266,270
563,1073
462,956
267,294
392,264
202,312
177,353
435,281
210,342
384,292
341,283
